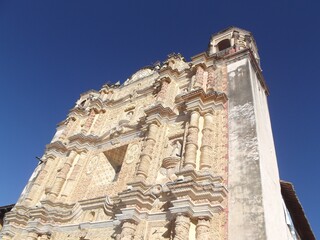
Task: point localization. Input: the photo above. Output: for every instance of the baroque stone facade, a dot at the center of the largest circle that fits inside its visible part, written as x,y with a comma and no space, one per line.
180,150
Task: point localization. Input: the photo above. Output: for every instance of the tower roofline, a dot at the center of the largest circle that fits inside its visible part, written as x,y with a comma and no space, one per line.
230,28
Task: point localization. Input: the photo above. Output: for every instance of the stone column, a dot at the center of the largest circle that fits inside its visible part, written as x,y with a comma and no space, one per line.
206,147
203,229
32,236
35,191
145,157
62,175
182,226
128,230
192,141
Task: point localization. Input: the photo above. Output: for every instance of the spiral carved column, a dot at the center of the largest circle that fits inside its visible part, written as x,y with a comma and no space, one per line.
182,226
192,141
145,157
206,147
62,175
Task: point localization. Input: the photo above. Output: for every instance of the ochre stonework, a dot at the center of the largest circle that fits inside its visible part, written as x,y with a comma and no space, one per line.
156,157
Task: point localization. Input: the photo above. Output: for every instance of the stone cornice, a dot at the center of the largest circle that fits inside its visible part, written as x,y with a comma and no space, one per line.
77,111
201,101
202,58
194,210
123,100
169,73
97,105
56,146
159,113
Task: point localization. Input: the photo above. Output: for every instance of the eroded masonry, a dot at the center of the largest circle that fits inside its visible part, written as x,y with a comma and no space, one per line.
180,150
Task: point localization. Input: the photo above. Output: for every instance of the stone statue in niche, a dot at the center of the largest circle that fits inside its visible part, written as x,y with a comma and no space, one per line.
170,164
176,148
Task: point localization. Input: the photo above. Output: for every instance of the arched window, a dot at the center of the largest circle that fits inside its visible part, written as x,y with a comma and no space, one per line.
224,44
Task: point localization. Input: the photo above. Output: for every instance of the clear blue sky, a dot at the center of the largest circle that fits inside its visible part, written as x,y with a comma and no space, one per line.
51,51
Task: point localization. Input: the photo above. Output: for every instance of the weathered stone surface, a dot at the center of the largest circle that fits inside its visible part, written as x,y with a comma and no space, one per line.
176,152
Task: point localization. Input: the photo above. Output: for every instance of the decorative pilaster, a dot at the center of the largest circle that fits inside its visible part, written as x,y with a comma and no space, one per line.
182,226
203,229
89,121
211,82
199,78
145,157
206,147
128,230
35,189
192,141
62,175
73,176
164,88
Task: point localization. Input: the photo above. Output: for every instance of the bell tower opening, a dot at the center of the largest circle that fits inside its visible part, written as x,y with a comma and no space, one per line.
224,44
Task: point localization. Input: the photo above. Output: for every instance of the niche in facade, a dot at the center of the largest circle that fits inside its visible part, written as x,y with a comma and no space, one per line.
115,157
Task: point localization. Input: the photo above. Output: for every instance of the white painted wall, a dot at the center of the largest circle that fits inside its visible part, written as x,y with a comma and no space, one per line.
272,201
255,207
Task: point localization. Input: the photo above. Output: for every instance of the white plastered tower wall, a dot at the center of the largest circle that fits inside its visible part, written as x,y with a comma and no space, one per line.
255,201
